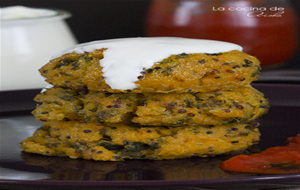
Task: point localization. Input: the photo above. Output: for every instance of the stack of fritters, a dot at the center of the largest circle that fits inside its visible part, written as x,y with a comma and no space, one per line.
186,105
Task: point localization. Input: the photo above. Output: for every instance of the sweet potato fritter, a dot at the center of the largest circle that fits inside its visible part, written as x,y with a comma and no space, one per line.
115,142
178,73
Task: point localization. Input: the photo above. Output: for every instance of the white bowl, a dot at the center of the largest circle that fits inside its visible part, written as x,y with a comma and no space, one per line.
27,44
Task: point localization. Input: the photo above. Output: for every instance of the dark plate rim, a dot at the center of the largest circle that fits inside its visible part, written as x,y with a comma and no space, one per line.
220,181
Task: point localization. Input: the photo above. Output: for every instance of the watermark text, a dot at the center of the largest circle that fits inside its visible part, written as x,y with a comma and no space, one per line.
255,11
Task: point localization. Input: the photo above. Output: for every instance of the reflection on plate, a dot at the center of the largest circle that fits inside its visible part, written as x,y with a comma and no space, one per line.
280,76
19,168
85,170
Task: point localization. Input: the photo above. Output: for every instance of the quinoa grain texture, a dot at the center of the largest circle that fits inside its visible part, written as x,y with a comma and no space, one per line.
186,105
116,142
173,109
178,73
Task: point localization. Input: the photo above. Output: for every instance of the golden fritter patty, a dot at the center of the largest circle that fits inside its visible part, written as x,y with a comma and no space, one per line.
178,73
213,108
57,104
115,142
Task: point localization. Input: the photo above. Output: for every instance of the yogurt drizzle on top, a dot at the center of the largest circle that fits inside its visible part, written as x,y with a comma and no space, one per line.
125,58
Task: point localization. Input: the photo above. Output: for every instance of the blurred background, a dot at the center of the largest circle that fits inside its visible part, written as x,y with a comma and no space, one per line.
277,48
97,19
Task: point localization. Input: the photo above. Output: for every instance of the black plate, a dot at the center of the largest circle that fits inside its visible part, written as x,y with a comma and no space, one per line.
19,169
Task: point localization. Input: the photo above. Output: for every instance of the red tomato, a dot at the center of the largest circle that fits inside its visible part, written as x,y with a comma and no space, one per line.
275,160
294,141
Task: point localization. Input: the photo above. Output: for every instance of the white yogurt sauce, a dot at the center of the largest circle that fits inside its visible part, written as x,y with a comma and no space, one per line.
21,12
125,58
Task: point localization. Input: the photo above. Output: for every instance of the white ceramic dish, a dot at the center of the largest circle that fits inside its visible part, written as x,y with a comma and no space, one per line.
27,44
